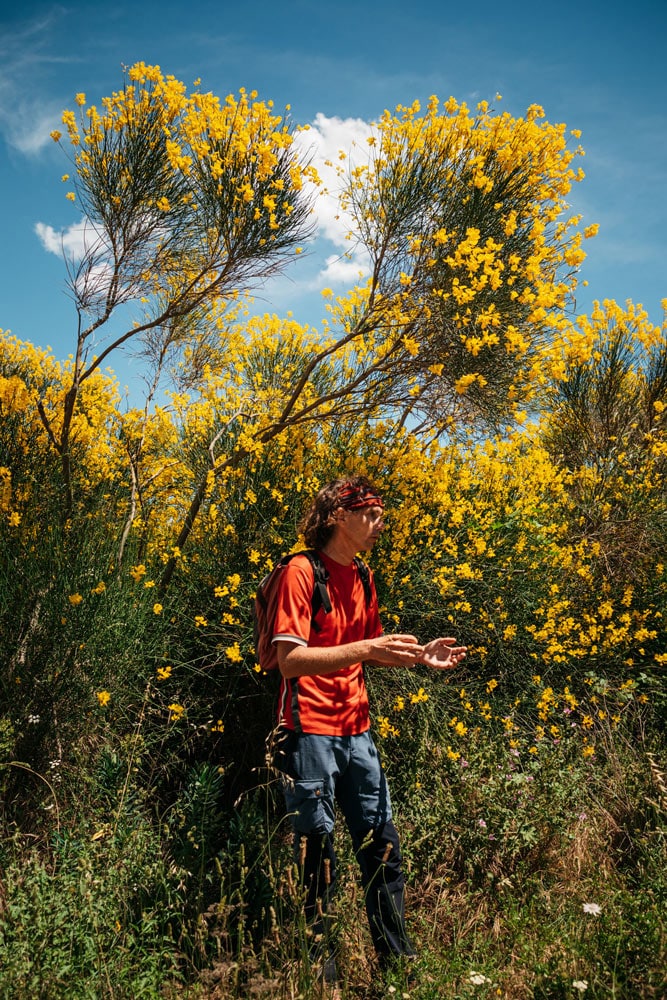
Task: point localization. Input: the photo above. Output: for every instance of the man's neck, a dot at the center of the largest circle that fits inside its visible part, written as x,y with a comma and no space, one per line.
337,550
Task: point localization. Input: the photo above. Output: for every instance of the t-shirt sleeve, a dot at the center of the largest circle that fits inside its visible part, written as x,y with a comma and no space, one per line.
294,604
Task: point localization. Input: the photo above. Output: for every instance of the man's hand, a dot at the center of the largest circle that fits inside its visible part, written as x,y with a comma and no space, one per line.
395,650
442,654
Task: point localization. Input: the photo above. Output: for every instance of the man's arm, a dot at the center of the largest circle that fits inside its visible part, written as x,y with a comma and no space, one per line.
295,660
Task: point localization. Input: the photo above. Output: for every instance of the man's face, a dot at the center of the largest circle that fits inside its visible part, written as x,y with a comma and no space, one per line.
362,527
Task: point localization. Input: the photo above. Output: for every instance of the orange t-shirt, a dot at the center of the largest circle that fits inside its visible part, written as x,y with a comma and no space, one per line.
333,704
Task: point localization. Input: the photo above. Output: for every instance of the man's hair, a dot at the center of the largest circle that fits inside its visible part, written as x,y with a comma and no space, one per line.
319,521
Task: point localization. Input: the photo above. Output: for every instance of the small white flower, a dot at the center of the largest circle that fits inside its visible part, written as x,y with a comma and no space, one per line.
580,984
477,979
33,720
593,908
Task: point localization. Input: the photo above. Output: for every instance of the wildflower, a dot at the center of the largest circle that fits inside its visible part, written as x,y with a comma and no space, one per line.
490,685
100,588
137,572
420,696
33,720
200,621
103,697
580,984
75,599
175,711
219,727
163,673
478,979
593,908
157,609
385,728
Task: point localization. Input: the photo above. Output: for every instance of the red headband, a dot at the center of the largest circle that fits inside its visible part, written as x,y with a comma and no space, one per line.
355,497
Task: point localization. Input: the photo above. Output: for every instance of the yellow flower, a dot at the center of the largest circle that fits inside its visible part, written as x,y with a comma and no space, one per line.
420,696
175,711
157,609
219,727
491,685
200,621
103,697
100,588
75,599
163,673
385,727
137,572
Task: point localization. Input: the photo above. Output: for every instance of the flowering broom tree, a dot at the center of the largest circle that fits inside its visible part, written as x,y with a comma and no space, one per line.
187,201
471,269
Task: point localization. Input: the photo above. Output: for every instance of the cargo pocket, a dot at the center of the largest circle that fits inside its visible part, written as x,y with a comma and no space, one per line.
305,804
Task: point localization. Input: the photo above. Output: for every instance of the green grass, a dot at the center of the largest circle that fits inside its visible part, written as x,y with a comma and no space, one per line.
122,890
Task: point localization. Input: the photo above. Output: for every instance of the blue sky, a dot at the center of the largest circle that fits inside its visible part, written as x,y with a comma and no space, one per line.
597,66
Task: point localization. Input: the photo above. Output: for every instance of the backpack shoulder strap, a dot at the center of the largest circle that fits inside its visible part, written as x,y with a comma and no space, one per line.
365,575
320,591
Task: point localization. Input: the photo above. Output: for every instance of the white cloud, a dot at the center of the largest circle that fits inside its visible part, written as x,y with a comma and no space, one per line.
323,143
72,242
29,127
26,116
340,270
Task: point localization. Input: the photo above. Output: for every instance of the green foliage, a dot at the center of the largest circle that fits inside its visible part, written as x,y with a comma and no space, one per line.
144,850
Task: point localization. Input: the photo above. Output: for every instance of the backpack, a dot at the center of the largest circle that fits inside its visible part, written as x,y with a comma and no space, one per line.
267,596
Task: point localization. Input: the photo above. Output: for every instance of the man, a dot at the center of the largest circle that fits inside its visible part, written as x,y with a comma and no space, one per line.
324,703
